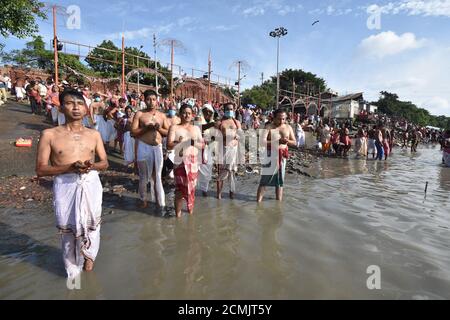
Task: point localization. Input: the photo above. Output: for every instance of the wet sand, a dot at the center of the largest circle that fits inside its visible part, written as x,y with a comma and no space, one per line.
317,244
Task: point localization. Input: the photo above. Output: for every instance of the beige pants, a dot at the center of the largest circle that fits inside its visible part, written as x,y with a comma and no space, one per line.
3,96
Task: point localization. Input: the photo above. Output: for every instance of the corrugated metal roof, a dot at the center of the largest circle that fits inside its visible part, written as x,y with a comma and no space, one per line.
352,96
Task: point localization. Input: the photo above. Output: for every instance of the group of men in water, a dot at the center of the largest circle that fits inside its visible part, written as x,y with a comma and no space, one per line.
185,141
76,150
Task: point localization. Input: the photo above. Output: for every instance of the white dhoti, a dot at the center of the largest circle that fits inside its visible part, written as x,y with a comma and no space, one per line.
19,92
128,147
102,127
300,135
360,147
371,146
54,112
78,208
150,158
446,158
205,170
228,169
112,132
61,118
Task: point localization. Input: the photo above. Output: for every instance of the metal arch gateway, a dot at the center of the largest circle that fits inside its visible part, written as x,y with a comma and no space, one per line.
190,81
312,106
91,79
145,70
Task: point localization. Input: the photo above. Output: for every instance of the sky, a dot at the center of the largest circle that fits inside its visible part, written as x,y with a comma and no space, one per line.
357,46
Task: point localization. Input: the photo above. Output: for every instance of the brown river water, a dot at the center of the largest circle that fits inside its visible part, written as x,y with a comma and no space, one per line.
316,244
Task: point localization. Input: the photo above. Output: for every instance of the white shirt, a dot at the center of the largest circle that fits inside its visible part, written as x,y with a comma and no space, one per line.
7,81
42,90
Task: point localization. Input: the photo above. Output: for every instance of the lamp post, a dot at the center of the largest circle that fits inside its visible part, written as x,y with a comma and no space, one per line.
278,33
156,67
139,52
238,83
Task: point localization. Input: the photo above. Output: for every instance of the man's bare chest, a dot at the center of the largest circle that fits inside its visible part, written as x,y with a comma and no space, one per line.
73,143
146,119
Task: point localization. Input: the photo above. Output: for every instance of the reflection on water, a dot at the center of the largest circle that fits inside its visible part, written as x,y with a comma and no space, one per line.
317,244
444,178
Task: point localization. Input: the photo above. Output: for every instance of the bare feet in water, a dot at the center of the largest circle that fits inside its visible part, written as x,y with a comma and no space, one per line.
88,265
143,205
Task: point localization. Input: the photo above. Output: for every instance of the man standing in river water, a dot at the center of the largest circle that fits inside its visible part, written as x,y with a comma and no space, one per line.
230,128
278,137
71,149
149,127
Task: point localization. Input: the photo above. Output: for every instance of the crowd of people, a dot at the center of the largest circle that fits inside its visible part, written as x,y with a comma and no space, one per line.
377,139
182,139
178,139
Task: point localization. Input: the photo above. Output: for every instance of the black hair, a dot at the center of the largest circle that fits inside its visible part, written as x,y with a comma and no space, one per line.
70,92
122,100
183,107
148,93
128,107
228,104
278,111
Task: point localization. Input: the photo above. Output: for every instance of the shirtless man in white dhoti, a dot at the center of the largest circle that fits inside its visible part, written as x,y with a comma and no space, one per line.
97,108
209,132
68,152
169,155
149,127
227,170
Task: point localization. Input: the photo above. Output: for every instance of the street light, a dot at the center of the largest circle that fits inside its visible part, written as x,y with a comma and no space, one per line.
238,83
278,33
139,52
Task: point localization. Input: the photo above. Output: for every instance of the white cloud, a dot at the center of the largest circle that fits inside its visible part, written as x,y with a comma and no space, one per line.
253,11
388,43
404,83
261,7
416,7
224,28
166,8
289,9
330,11
147,32
171,7
437,106
182,22
316,11
421,77
141,33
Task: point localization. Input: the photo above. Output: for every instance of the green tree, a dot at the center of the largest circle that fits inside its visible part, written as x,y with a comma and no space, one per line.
304,81
265,95
109,63
18,18
390,104
34,55
101,60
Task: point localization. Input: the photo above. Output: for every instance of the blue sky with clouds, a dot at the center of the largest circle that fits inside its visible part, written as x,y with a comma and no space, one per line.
408,54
